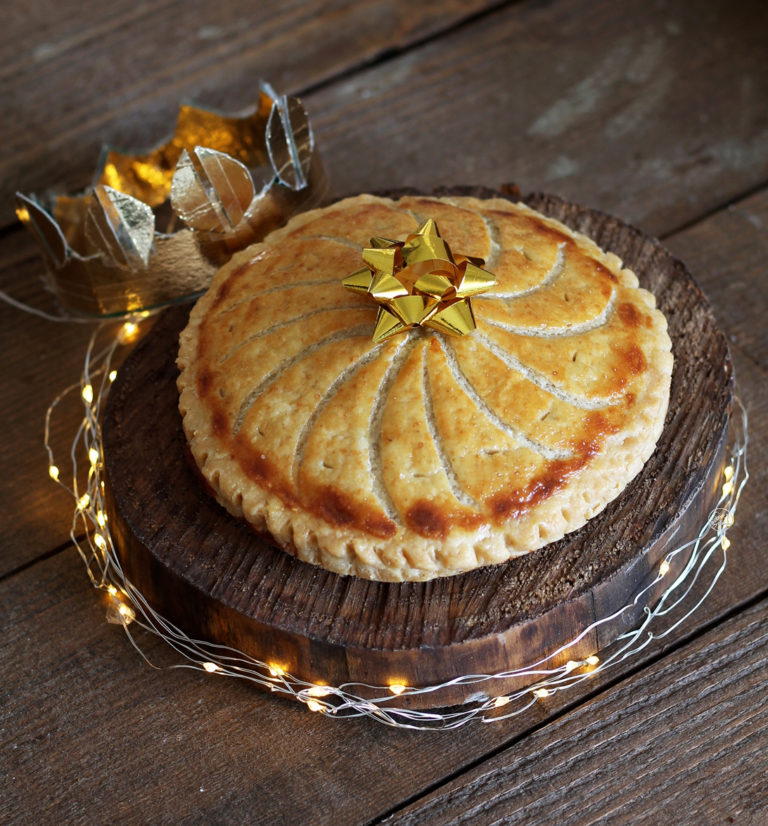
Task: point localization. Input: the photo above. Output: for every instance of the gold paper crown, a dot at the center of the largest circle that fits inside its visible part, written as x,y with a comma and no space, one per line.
230,178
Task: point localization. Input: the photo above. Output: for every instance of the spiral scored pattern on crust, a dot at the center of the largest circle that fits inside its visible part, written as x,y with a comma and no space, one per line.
424,455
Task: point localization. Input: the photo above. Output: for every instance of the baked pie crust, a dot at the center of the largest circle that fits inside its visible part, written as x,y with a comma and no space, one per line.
426,454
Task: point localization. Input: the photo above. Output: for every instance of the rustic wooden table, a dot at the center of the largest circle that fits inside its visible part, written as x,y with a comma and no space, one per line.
653,110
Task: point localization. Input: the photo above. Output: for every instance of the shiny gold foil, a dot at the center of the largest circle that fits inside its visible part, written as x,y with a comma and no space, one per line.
120,247
419,282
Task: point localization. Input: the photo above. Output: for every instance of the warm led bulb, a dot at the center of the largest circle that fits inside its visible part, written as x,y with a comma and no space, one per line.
725,543
501,701
93,455
101,518
313,705
276,670
127,613
319,691
593,660
87,394
53,472
128,332
397,688
664,568
541,693
100,542
211,667
83,502
727,488
570,665
728,473
112,375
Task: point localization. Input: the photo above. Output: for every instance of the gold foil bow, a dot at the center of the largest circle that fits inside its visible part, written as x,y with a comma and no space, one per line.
419,282
120,248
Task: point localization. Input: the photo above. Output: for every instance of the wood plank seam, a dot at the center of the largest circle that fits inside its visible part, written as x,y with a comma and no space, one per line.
42,557
731,201
392,53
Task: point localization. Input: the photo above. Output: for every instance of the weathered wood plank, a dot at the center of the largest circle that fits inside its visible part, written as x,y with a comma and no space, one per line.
40,358
682,741
74,78
621,107
545,96
728,252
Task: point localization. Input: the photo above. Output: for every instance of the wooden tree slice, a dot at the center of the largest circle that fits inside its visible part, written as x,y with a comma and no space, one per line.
213,577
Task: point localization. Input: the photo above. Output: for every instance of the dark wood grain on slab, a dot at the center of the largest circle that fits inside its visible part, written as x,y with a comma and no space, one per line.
622,106
684,739
116,72
207,573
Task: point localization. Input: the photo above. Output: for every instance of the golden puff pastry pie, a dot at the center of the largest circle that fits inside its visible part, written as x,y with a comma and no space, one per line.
425,454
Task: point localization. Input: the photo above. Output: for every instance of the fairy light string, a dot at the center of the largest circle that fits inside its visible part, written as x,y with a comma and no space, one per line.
706,558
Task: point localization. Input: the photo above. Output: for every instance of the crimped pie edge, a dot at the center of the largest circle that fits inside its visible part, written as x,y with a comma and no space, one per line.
350,551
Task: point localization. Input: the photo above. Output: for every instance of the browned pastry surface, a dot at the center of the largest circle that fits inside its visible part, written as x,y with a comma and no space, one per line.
426,454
